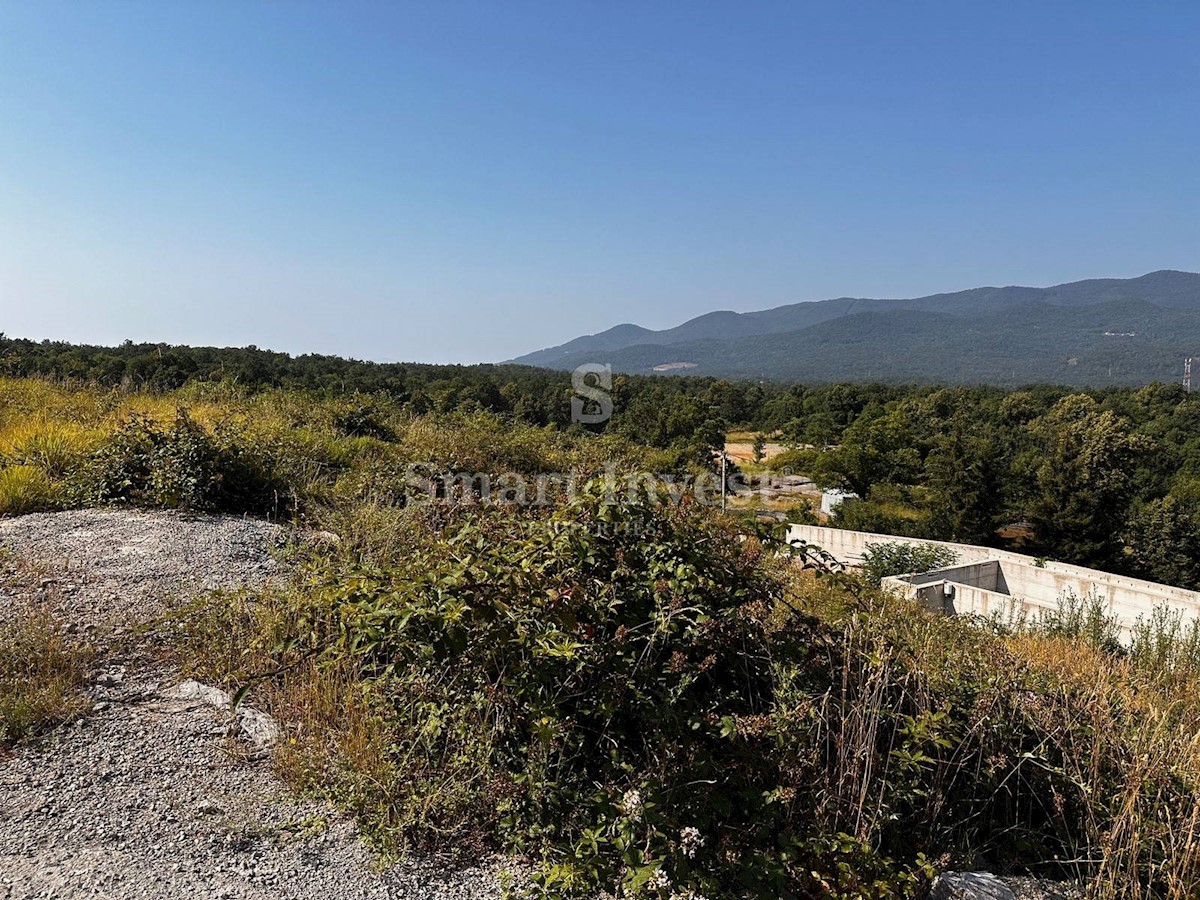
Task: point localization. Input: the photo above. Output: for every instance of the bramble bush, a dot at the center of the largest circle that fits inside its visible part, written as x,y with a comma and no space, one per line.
181,465
595,687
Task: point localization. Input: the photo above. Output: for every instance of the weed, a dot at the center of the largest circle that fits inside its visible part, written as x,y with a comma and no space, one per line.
42,674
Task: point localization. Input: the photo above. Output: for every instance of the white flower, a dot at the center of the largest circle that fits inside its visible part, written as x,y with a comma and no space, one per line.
631,803
659,881
690,840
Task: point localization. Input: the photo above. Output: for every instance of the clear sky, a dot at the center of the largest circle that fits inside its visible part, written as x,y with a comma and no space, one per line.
454,181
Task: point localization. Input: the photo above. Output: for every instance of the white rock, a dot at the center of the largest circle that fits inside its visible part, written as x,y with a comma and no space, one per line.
257,728
194,690
322,539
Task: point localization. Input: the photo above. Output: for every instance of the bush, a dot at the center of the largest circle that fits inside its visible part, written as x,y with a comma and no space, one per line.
1083,619
595,688
180,466
641,700
363,418
1164,644
856,514
794,459
882,561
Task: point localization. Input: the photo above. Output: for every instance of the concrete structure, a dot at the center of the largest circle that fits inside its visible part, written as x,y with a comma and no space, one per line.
832,499
989,582
848,547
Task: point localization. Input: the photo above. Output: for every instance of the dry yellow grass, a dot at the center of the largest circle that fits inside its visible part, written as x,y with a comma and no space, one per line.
42,674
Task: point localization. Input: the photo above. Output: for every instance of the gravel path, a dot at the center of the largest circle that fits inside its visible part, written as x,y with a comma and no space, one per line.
109,567
150,796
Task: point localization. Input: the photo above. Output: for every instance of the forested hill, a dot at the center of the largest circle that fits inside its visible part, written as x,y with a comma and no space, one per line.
169,366
1087,333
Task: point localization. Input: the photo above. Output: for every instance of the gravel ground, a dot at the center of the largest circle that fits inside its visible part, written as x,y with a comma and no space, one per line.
105,567
150,796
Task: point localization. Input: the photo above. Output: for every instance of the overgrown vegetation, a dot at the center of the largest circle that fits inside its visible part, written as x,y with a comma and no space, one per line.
882,561
275,453
1107,478
637,694
640,697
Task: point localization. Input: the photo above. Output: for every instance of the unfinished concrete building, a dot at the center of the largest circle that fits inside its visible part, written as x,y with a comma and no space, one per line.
996,583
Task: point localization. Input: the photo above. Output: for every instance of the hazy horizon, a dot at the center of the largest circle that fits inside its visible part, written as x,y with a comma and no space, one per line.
471,182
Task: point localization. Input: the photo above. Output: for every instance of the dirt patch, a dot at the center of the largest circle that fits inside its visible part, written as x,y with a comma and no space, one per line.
743,452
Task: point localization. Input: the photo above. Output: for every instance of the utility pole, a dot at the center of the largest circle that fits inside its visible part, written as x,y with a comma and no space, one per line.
1187,375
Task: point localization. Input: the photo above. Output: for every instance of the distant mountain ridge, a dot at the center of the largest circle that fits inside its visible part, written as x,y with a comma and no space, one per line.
1095,332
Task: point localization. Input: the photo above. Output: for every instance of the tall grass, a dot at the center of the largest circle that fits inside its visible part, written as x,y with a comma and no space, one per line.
25,489
274,452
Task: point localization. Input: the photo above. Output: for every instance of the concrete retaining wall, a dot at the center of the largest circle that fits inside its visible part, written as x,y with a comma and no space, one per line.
963,600
850,546
982,575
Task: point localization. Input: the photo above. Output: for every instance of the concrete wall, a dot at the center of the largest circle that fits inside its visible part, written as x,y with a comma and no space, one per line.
849,546
983,575
986,575
952,599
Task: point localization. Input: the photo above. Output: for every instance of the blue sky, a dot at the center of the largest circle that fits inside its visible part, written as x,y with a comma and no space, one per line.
469,181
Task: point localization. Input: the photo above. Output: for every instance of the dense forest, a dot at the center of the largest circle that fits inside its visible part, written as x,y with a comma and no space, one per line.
1108,477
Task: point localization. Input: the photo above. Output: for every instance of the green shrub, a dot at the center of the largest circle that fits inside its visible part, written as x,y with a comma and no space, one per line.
856,514
180,466
363,418
1084,619
882,561
588,685
595,688
802,513
1166,645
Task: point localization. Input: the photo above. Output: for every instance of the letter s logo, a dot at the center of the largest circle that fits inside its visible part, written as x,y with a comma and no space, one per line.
596,390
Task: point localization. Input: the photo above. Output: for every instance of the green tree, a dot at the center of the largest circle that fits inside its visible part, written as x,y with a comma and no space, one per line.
1083,480
880,450
760,447
1163,543
964,473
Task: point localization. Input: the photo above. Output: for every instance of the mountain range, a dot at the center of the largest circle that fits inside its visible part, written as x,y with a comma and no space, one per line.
1106,331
